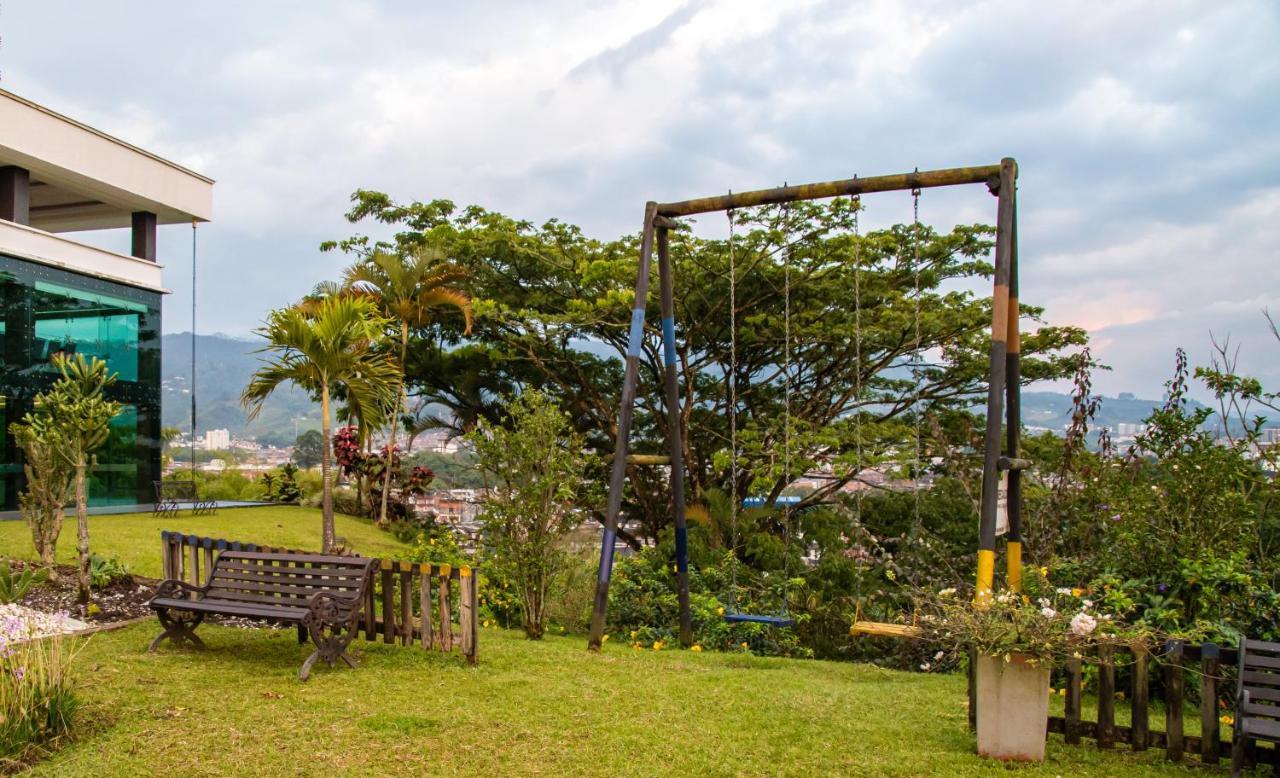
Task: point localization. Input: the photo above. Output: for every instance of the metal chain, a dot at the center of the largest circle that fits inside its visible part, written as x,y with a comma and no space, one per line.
733,411
915,367
786,377
857,356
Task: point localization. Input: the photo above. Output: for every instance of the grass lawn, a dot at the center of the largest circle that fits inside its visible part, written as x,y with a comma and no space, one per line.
135,537
546,708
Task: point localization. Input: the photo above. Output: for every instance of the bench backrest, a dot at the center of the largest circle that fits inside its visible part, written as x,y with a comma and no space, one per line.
175,490
1260,677
285,579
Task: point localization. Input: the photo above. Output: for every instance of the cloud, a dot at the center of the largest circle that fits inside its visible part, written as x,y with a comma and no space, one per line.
1147,134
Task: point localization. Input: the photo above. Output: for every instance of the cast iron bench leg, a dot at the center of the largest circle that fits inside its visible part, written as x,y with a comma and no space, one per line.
177,630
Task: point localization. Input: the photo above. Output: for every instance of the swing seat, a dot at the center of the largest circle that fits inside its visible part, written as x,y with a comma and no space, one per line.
768,621
884,629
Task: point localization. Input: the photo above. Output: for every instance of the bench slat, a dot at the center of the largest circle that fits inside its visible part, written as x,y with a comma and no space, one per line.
1254,678
290,600
1252,660
280,612
253,567
1253,710
1254,646
1266,729
356,562
247,579
1264,693
272,587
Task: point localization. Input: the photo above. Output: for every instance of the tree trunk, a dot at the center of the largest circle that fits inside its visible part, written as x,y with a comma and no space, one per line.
326,474
395,416
82,531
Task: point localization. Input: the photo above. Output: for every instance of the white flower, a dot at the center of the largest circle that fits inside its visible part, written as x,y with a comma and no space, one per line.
925,667
938,656
1044,602
1086,604
949,591
1048,612
1082,624
1062,590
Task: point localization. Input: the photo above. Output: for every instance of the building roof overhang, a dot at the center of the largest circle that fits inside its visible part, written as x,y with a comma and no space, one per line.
84,179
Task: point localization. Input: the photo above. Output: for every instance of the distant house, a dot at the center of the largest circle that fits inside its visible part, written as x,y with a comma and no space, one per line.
59,177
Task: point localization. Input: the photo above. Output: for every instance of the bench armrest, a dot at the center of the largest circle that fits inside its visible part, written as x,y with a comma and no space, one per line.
331,609
172,587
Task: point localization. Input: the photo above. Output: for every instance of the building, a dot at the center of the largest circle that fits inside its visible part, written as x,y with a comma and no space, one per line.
217,440
59,177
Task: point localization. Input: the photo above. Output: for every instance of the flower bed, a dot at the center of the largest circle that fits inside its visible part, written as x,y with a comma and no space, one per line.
36,698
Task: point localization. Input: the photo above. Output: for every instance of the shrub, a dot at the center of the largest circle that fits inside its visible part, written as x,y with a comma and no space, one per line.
103,571
37,701
15,585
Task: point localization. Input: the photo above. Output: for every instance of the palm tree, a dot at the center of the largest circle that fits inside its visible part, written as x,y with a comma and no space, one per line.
330,344
409,290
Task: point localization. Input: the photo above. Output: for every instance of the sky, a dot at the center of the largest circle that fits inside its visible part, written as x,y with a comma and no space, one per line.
1147,133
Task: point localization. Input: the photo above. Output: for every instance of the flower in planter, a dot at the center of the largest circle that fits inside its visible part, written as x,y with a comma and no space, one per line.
1083,624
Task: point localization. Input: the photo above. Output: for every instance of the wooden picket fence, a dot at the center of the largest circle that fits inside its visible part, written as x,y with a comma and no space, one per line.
1209,667
433,606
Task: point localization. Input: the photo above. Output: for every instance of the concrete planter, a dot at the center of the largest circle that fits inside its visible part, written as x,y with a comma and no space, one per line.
1013,708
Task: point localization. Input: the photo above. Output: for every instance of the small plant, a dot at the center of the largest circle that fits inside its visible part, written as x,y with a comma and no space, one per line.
15,585
103,571
37,702
1043,623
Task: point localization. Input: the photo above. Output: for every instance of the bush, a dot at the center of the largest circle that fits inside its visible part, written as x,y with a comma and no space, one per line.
37,702
15,585
103,571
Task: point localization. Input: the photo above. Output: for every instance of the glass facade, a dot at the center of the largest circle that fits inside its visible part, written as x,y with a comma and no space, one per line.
45,311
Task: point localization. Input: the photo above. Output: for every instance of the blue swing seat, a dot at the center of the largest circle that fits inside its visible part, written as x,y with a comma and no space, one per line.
768,621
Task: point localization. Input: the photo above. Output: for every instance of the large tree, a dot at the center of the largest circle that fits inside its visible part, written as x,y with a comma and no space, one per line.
553,307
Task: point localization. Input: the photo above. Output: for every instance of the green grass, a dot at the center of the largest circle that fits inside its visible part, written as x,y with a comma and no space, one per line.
546,708
135,537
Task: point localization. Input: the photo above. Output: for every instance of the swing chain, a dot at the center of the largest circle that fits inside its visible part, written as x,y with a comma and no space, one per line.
916,356
732,380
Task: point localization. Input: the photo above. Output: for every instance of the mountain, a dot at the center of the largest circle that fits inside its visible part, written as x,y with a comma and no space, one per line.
223,367
225,364
1052,410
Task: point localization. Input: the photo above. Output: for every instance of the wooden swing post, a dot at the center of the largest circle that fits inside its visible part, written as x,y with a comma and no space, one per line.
1003,396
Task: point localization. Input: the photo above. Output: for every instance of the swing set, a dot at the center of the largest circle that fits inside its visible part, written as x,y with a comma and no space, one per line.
1003,395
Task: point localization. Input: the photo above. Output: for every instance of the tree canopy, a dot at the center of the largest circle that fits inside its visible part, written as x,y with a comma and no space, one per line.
552,309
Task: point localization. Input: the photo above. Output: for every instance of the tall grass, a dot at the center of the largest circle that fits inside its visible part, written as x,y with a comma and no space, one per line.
37,701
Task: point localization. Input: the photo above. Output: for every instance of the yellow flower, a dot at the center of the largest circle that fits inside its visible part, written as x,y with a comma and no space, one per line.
1044,571
720,611
744,645
1228,720
604,639
486,622
635,633
657,645
1076,592
1062,692
695,647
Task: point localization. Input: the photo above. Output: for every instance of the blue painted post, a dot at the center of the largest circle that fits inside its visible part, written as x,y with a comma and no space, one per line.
675,443
617,479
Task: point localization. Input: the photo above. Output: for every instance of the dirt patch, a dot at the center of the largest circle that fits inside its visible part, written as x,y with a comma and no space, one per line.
124,598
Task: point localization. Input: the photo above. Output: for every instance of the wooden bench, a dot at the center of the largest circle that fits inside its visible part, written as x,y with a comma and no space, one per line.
320,594
171,494
1257,699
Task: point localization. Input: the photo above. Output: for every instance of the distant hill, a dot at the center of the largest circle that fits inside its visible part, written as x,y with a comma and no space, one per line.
223,367
225,364
1053,410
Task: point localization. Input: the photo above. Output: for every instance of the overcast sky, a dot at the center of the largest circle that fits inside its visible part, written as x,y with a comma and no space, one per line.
1148,133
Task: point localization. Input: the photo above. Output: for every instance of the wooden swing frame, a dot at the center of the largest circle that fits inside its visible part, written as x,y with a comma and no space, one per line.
1003,393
